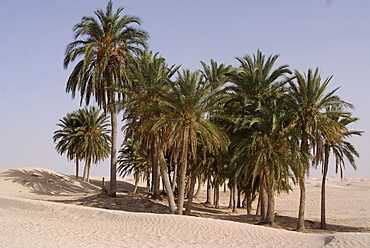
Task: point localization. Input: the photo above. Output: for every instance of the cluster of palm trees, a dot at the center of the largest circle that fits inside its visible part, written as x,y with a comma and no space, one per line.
83,135
255,126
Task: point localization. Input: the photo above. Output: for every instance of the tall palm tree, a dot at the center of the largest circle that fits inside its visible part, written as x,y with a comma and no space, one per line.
341,150
309,101
256,87
87,139
149,78
65,138
107,45
187,111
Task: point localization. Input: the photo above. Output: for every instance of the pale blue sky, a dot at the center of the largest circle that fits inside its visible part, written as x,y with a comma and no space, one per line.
306,34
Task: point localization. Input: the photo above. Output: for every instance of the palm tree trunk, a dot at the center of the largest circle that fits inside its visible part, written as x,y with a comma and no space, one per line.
174,180
263,198
137,178
270,203
155,174
323,184
235,192
192,181
302,203
166,179
216,192
209,191
182,172
85,172
113,158
199,188
231,195
77,167
301,180
248,198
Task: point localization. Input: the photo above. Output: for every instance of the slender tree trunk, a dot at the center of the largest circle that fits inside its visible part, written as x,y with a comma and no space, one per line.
301,181
248,198
323,187
209,191
258,210
182,172
88,171
77,167
84,177
235,192
181,185
155,174
174,180
192,181
263,198
137,178
147,176
113,158
231,197
270,217
239,200
217,192
166,179
302,203
199,188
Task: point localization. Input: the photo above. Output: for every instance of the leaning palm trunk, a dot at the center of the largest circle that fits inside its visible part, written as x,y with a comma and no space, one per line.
166,179
323,184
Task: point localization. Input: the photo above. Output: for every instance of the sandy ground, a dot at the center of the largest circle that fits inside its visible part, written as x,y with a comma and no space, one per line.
34,213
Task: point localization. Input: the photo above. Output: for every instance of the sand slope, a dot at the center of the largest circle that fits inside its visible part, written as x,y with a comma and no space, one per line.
35,223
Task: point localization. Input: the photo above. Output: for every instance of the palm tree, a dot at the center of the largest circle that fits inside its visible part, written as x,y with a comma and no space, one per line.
65,138
107,45
186,112
149,76
92,137
88,138
133,160
308,104
257,89
341,149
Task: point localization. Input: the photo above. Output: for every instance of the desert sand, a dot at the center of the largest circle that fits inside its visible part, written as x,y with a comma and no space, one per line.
43,208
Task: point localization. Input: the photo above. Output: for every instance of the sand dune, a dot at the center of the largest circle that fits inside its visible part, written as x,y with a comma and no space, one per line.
28,220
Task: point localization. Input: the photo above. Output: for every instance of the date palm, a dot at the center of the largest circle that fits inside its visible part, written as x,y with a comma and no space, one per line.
93,137
342,151
309,101
258,90
86,139
106,44
149,78
65,138
186,112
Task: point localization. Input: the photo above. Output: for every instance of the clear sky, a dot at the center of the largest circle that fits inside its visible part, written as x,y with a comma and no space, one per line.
307,34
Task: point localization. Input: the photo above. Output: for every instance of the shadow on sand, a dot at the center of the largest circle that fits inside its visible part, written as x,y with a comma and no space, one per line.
141,202
42,182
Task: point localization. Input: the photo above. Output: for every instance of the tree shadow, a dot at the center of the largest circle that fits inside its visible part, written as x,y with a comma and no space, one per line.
281,222
42,182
